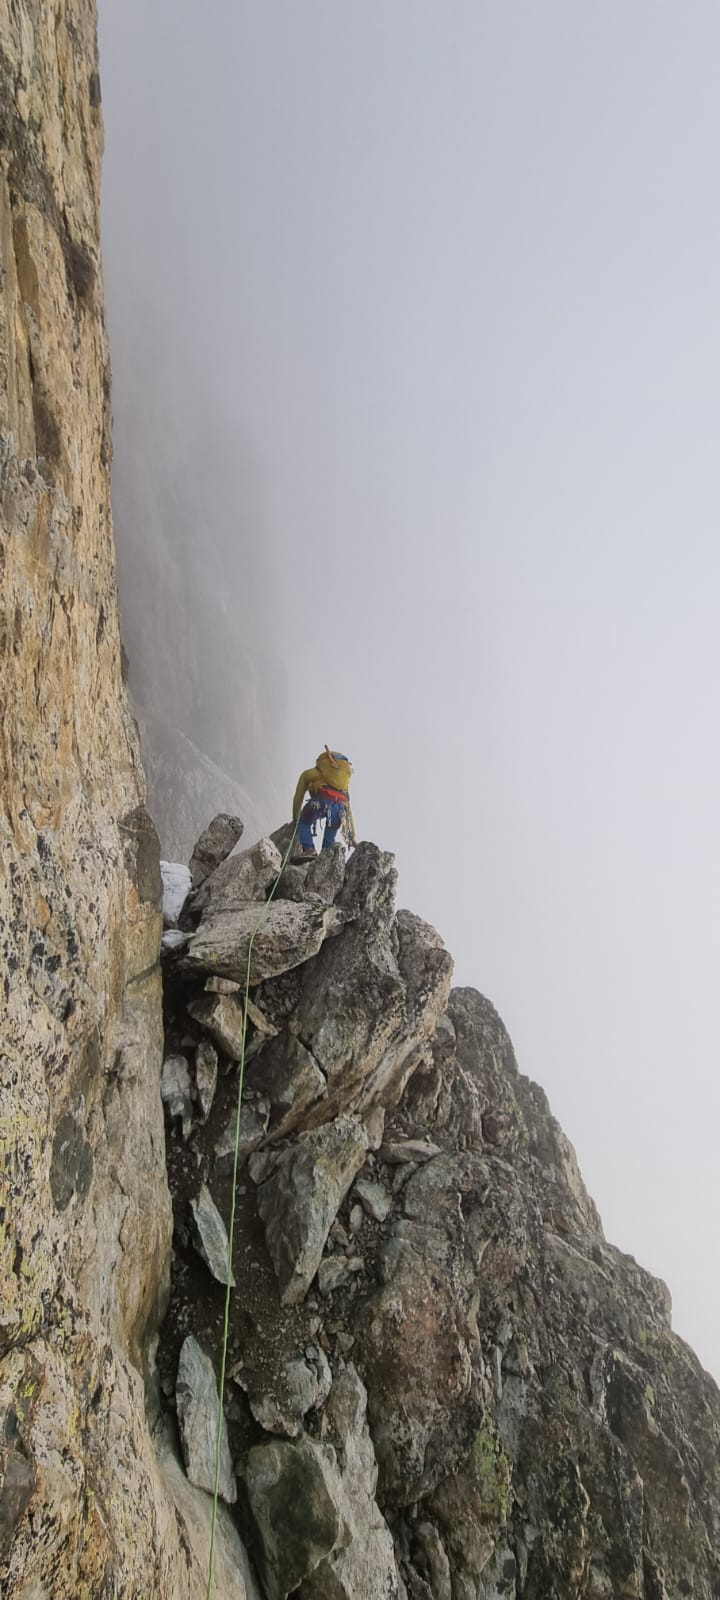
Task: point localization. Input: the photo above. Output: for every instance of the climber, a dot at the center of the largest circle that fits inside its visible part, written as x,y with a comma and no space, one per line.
328,784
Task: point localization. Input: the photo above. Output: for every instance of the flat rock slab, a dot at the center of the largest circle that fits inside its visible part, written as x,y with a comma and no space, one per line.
221,985
375,1123
209,1235
408,1150
196,1396
288,935
301,1191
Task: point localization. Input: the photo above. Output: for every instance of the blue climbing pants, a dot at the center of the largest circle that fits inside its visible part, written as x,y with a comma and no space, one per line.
318,809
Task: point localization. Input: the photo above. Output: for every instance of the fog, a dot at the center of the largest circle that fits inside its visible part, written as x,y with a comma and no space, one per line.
427,295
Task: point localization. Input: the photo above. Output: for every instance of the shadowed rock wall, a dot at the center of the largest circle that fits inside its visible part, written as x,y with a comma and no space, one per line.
84,1210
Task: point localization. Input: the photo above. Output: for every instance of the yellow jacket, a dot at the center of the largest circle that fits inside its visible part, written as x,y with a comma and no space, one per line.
331,771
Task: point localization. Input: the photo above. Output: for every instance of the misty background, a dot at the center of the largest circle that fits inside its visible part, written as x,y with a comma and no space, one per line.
415,331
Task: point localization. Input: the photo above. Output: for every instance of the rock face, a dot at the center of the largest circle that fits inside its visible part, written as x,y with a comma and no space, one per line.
87,1506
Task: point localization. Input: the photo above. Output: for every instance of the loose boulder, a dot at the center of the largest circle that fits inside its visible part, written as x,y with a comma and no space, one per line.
206,1072
253,1125
177,1093
222,1016
210,1235
375,1201
300,1193
297,1505
279,1401
290,1077
197,1410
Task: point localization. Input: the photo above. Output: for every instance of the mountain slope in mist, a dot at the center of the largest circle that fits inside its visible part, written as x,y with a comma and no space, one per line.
196,583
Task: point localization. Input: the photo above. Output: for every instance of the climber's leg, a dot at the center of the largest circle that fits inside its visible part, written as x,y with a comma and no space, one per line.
308,818
334,816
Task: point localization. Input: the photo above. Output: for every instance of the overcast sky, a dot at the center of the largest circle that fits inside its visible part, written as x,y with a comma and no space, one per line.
451,271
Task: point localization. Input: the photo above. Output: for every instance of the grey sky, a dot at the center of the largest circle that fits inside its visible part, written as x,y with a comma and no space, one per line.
450,271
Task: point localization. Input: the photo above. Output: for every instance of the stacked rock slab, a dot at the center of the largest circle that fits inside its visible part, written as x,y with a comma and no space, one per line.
86,1507
509,1412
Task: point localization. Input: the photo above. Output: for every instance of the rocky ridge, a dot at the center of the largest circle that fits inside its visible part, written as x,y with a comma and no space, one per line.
445,1383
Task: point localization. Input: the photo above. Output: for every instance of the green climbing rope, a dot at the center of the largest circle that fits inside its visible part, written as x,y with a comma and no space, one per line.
231,1228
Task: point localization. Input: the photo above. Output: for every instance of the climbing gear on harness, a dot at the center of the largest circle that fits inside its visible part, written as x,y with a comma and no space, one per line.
321,809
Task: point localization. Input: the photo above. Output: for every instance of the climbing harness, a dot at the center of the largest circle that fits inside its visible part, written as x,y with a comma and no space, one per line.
332,794
231,1228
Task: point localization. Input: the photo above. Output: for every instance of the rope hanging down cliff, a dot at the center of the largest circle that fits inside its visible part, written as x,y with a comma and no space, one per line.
231,1228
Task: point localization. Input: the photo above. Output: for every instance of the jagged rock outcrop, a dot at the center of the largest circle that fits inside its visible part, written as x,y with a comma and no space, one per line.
510,1413
88,1505
215,843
